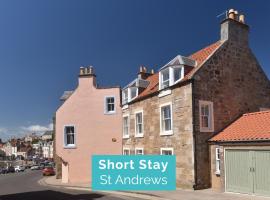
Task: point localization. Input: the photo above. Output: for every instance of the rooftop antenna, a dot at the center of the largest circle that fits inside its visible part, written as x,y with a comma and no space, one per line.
223,13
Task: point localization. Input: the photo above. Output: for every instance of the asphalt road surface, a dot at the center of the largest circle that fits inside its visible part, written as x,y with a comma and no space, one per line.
24,186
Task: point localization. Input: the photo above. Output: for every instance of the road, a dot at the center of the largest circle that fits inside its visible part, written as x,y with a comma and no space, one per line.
24,186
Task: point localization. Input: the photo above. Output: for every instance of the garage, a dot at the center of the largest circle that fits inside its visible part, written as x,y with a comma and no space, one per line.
247,171
240,156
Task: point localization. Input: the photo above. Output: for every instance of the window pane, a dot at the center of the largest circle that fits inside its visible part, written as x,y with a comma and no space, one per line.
166,118
168,125
177,73
166,152
125,126
70,135
139,152
133,92
165,78
110,104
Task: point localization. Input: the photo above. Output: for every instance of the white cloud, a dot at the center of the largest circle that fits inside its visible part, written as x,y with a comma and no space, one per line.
37,128
3,130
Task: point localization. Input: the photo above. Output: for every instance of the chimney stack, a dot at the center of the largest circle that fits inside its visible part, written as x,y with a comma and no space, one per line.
87,71
143,74
233,28
87,74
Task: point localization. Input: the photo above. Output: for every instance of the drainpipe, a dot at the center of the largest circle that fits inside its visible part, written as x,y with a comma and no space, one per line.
194,136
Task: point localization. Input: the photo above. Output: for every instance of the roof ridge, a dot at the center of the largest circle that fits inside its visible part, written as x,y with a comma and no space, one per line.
257,113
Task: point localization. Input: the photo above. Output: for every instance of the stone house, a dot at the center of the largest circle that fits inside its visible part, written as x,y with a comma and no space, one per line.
190,99
87,123
240,155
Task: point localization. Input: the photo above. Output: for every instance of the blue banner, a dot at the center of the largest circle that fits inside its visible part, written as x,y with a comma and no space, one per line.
134,172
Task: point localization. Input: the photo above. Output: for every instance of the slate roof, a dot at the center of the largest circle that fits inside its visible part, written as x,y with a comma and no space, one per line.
249,127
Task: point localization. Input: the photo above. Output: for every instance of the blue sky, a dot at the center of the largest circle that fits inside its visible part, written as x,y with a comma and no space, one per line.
43,44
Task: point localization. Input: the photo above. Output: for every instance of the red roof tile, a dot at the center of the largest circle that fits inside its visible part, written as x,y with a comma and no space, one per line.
200,56
249,127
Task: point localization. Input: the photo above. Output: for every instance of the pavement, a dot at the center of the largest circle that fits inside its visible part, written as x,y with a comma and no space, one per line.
25,186
179,194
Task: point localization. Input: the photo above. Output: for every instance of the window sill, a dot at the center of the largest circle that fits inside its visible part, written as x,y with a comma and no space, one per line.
109,113
138,135
206,130
164,93
126,137
70,147
166,133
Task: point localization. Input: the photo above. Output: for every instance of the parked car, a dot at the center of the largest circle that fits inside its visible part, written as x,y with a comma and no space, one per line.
35,167
3,170
48,171
10,169
19,168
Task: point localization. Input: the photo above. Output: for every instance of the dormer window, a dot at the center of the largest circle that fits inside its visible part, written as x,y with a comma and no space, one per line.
171,75
174,71
129,94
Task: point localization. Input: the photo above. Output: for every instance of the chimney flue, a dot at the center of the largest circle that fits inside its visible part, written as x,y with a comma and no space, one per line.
152,71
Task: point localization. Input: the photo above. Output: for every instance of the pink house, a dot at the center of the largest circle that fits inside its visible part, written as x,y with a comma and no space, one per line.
87,123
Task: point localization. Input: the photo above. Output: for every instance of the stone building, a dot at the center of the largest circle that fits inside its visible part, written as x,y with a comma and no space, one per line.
179,108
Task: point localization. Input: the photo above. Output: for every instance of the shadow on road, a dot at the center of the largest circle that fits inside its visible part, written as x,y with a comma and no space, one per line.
50,195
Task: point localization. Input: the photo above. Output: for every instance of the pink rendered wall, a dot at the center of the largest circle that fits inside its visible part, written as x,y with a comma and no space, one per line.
94,130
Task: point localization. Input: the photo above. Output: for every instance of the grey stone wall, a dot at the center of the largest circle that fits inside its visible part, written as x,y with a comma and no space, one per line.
234,81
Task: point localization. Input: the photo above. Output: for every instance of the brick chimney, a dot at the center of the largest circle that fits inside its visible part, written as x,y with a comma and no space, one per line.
143,74
87,73
233,28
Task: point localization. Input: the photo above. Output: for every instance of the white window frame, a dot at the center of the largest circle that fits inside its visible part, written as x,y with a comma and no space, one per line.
161,85
171,76
69,146
128,121
105,105
135,114
125,96
211,116
129,93
170,132
217,154
139,148
182,71
126,149
166,149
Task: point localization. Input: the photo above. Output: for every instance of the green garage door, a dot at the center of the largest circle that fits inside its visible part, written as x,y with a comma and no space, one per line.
247,171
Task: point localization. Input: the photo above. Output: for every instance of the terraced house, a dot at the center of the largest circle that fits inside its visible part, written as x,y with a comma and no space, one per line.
191,98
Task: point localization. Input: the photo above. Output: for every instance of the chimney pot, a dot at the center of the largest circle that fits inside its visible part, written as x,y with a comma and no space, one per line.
231,14
144,69
236,16
152,71
242,19
81,70
141,69
91,70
